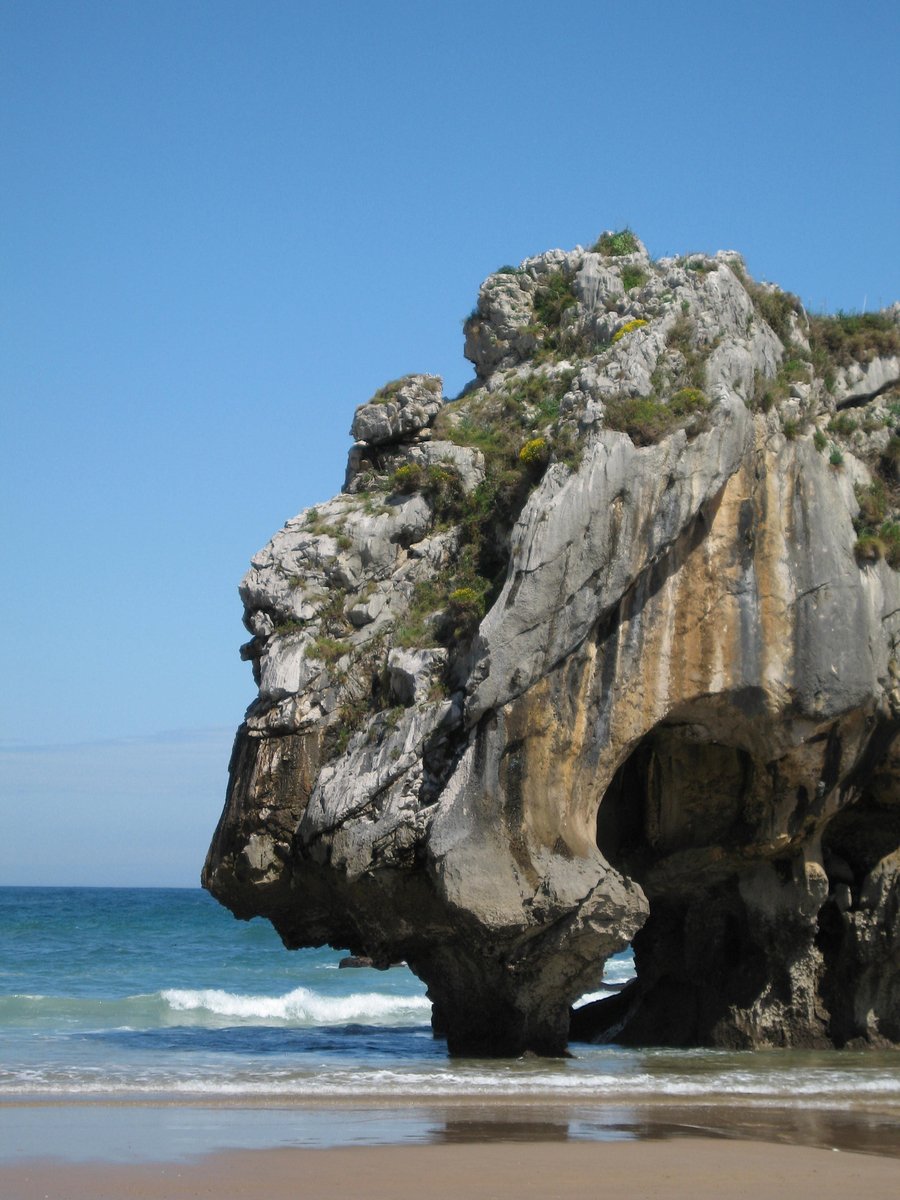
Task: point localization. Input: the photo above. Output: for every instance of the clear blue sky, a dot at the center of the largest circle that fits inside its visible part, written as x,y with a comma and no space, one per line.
224,224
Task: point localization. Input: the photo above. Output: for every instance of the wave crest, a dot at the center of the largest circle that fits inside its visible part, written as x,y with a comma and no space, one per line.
302,1006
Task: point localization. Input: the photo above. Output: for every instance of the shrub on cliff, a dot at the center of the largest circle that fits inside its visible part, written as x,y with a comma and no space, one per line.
878,530
466,606
777,309
644,419
534,453
687,401
439,483
408,478
446,608
444,490
629,327
614,245
854,337
328,649
551,299
633,277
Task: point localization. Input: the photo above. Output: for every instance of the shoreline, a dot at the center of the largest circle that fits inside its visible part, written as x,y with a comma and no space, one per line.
678,1169
99,1133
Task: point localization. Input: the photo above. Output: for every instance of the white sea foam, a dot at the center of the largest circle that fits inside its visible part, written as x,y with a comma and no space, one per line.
590,997
484,1082
302,1006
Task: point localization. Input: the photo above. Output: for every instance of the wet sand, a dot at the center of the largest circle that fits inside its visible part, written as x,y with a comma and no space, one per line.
699,1169
463,1151
176,1130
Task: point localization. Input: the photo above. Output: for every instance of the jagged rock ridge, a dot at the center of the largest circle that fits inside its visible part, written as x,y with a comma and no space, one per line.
604,650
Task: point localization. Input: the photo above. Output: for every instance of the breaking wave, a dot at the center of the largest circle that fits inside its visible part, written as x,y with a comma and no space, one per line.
213,1007
302,1006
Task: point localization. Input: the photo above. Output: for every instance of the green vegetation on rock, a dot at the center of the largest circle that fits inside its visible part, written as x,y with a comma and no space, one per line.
518,430
407,478
629,327
777,308
633,277
843,425
854,337
535,452
878,530
615,245
438,482
446,608
288,626
389,390
767,393
328,649
552,297
646,419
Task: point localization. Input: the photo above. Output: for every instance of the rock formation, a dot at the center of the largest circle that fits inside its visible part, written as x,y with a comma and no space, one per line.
602,651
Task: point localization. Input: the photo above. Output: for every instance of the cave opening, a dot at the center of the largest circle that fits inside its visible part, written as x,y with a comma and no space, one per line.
680,790
771,880
675,810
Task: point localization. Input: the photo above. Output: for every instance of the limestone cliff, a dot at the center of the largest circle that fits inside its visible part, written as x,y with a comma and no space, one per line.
602,651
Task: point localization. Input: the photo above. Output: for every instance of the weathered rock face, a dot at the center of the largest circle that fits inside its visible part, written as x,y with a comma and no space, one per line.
603,651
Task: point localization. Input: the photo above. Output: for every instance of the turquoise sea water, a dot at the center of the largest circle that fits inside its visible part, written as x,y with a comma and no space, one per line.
159,997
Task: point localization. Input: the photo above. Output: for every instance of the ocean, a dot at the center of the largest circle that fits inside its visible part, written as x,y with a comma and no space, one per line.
154,1013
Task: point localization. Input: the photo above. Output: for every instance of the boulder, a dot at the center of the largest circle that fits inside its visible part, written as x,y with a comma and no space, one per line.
398,410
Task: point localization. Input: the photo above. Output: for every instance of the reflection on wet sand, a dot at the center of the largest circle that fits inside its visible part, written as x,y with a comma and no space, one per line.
863,1131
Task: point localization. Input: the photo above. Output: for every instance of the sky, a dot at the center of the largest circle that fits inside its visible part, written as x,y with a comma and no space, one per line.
223,225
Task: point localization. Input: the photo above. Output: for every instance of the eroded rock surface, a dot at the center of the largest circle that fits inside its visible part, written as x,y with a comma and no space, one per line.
602,651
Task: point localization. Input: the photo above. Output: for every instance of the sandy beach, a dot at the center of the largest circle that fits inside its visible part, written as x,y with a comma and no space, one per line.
667,1170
